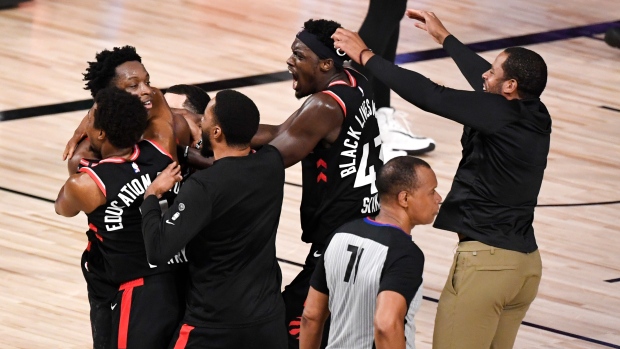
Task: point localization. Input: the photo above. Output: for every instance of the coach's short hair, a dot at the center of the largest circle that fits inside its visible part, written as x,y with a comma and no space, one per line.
397,175
102,71
237,115
121,115
197,98
528,68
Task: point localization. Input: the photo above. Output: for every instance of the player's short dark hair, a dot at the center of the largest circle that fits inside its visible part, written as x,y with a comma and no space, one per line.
102,71
323,29
398,174
197,98
121,115
528,68
237,115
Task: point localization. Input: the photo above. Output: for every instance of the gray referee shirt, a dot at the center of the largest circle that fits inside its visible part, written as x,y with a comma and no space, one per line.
362,259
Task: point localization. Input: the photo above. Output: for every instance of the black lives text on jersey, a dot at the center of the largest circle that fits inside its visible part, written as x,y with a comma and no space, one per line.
364,174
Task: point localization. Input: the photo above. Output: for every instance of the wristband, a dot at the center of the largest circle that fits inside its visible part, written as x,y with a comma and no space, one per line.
362,52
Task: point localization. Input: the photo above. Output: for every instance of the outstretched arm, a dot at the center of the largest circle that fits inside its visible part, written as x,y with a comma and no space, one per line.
485,112
319,118
266,133
472,66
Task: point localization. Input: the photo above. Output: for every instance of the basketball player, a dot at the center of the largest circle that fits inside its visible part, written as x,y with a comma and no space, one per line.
506,136
370,276
120,67
145,308
193,99
335,136
228,216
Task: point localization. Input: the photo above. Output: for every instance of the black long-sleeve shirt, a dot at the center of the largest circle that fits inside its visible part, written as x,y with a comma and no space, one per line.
227,217
505,147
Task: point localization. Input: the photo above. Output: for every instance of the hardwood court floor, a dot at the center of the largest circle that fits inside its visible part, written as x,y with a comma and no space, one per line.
44,46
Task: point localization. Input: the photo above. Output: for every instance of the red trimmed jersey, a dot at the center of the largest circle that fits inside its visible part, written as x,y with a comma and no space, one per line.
339,180
117,225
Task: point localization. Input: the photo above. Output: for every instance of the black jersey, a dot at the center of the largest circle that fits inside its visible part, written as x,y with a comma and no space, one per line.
364,258
228,216
117,224
339,180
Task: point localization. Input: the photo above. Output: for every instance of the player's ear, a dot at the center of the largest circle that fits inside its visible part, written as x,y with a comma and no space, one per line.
402,198
217,132
510,86
326,64
101,136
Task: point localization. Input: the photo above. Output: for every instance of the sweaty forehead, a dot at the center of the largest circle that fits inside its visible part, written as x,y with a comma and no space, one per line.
131,69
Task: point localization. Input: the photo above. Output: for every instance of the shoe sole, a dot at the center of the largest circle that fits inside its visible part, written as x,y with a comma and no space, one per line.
430,148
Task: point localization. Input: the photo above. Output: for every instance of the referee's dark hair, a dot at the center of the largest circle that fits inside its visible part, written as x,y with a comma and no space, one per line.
196,98
121,116
397,175
237,115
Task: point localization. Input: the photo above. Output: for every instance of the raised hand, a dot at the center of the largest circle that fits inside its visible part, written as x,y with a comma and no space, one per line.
428,22
351,43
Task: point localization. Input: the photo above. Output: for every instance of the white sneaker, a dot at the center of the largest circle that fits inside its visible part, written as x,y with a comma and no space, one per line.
397,139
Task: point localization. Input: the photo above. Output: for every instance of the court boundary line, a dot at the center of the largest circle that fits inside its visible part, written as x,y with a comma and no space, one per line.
610,108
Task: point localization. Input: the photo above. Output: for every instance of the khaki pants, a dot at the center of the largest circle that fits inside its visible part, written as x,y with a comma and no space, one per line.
486,296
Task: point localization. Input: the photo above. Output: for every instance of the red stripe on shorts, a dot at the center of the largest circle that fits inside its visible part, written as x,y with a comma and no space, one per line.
123,326
183,336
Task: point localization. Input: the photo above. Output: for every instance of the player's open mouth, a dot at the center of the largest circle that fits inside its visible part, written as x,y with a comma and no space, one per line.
147,104
290,70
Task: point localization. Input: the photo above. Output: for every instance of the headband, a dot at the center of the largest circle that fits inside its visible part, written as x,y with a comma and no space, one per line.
320,49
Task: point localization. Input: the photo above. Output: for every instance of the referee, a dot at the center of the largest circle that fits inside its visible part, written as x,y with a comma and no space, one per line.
370,276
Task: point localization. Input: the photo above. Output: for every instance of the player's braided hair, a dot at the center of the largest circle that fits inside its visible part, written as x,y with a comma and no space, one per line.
102,71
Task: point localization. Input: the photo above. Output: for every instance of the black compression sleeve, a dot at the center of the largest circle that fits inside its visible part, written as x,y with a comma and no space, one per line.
485,112
471,65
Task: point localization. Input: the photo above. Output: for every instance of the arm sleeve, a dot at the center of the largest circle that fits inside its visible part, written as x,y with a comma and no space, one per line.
319,279
166,235
485,112
403,273
472,66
